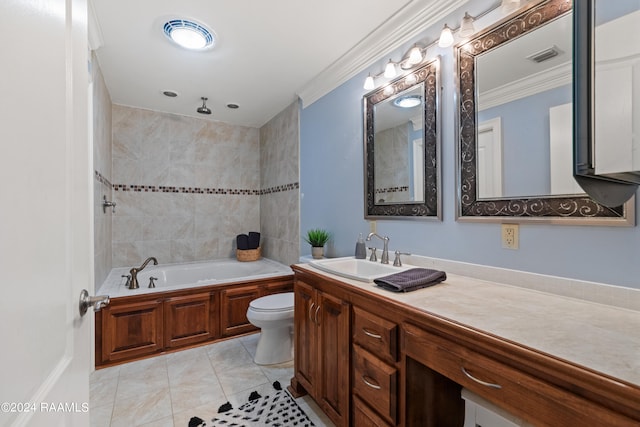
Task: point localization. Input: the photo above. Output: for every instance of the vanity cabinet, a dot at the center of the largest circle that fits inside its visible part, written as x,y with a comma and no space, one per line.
375,374
399,364
322,349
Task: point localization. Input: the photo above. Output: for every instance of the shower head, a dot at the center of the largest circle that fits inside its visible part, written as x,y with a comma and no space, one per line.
204,109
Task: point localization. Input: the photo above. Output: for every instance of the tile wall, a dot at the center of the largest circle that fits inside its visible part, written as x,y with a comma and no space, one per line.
184,187
102,174
279,177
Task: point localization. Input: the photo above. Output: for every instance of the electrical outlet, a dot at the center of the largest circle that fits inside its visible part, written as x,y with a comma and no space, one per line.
510,238
372,227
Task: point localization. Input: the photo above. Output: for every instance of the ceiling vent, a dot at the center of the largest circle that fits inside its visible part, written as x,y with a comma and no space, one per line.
544,55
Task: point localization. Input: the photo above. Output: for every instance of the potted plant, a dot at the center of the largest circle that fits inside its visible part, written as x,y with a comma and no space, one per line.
317,238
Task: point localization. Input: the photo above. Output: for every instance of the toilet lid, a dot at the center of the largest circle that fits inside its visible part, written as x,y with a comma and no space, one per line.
275,302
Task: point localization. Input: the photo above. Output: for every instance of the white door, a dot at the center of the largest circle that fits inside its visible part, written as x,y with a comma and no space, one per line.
46,253
489,166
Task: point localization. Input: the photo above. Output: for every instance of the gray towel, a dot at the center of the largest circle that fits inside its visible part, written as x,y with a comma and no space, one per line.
411,280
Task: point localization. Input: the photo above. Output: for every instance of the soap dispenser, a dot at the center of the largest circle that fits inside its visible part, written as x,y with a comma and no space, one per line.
361,250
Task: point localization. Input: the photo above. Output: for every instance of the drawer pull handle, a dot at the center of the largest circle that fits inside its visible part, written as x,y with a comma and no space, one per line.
370,384
484,383
317,310
371,334
311,311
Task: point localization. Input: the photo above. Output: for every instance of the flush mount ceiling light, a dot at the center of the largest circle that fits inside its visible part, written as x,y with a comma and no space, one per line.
204,109
189,34
408,101
170,93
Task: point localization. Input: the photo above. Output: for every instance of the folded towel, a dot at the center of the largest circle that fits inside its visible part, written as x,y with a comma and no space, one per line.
411,280
242,242
254,240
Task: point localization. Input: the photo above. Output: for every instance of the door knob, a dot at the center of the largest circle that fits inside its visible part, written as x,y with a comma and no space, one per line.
97,302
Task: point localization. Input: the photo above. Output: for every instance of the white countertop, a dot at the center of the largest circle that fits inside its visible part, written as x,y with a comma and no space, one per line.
600,337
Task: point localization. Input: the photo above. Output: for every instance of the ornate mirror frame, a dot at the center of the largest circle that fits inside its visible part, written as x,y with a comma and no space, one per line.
579,209
429,75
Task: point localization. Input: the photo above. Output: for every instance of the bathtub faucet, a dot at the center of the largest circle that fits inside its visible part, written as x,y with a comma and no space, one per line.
133,282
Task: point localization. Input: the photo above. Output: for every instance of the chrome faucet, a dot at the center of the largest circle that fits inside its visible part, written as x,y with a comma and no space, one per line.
133,282
384,259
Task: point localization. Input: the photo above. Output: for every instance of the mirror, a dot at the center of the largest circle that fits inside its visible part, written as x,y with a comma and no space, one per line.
401,147
515,128
607,52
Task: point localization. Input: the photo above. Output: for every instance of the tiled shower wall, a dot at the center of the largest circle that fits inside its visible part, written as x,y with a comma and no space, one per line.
102,174
279,177
184,187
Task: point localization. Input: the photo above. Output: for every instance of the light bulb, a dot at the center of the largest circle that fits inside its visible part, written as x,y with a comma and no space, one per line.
390,70
446,37
368,82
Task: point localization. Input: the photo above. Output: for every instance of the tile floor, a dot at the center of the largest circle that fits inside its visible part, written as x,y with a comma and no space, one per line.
167,390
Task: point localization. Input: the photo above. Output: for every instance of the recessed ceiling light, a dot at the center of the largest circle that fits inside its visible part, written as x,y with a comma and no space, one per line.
408,101
233,106
189,34
169,93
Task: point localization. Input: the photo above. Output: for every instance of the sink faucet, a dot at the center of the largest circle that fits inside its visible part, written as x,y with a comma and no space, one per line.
133,282
384,259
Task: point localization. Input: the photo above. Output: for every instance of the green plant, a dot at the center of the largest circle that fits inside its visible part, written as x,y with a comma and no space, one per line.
317,237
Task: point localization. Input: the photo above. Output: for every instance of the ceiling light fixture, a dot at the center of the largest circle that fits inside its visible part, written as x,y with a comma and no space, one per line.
189,34
169,93
204,109
408,101
233,106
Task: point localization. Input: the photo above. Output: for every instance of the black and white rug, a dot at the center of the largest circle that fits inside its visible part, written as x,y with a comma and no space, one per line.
277,409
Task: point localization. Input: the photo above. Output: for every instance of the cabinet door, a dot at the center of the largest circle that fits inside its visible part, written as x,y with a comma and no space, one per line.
234,304
305,330
188,320
333,336
131,330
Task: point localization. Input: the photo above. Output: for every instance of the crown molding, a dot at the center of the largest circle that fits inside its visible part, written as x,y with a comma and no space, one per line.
552,78
408,22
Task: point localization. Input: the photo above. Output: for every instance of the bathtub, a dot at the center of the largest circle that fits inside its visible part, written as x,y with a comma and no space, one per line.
191,275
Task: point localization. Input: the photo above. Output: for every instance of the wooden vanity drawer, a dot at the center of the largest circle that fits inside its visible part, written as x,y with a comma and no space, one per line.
375,334
375,383
524,395
363,416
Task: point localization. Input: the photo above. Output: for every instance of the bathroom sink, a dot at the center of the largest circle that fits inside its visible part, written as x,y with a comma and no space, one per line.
356,269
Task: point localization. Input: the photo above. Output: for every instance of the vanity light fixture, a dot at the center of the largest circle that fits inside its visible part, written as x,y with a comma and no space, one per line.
466,27
189,34
446,37
415,56
509,6
390,70
369,83
204,109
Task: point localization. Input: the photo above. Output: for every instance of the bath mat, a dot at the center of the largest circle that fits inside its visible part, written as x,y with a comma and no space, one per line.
278,409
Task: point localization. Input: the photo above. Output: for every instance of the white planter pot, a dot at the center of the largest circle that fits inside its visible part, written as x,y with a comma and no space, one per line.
317,252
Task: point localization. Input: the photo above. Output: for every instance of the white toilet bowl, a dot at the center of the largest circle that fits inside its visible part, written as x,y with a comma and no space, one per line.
273,314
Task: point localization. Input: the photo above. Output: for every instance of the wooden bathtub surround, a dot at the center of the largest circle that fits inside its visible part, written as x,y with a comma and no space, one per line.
140,326
369,359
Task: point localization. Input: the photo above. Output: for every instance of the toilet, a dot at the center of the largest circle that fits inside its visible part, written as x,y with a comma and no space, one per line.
273,314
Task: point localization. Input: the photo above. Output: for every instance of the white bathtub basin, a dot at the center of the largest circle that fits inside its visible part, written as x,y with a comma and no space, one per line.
356,269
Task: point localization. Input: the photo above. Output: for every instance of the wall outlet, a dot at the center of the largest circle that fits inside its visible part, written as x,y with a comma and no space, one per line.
372,227
510,238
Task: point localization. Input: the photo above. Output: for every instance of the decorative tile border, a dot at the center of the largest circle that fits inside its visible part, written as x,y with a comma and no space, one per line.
392,189
195,190
101,178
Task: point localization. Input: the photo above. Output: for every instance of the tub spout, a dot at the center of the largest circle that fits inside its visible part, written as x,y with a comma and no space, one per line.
133,282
